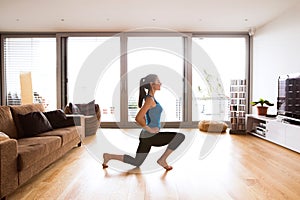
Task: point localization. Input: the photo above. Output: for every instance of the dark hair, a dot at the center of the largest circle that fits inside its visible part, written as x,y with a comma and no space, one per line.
145,84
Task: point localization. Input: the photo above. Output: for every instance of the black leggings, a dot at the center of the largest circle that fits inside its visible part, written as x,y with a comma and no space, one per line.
147,140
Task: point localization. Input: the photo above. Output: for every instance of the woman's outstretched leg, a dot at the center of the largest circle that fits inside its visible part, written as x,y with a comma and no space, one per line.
135,161
141,154
107,157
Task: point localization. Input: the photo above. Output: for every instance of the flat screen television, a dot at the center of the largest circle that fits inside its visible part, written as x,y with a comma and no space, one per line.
288,101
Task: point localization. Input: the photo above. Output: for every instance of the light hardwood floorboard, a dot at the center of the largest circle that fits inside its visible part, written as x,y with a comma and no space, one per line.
239,167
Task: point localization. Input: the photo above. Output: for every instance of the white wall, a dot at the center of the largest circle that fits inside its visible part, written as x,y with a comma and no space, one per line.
276,51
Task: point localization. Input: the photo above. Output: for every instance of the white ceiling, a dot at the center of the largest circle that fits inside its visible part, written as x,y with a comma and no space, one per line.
123,15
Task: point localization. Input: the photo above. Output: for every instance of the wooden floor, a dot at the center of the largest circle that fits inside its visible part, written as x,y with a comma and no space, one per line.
239,167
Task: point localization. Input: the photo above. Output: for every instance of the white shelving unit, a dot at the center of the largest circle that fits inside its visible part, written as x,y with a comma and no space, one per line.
257,125
274,130
238,106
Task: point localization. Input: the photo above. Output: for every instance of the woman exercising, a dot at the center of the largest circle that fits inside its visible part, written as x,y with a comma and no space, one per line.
148,118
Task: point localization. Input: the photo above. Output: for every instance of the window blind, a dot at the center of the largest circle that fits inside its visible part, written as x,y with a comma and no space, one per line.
34,55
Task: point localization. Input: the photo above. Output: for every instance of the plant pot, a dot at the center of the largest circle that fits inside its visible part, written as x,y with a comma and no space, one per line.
262,110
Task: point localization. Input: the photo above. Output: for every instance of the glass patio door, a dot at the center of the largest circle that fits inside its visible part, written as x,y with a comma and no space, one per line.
173,58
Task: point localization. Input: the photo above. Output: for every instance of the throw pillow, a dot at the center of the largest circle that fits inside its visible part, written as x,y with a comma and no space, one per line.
58,119
22,110
3,136
87,108
34,123
74,108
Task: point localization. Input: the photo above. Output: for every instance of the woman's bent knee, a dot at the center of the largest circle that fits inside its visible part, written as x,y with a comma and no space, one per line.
176,141
180,137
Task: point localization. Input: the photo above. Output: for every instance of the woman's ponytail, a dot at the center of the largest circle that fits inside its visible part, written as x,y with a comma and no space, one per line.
142,92
145,84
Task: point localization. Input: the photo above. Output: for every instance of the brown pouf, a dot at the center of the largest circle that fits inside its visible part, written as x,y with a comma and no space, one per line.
212,126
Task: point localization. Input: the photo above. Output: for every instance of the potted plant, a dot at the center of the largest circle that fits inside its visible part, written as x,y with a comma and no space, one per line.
262,110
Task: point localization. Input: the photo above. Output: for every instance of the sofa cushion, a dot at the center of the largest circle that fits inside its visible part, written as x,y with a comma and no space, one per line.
24,109
7,124
67,134
34,123
31,150
58,119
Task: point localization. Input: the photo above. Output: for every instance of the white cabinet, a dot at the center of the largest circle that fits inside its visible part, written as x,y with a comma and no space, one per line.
276,131
292,137
273,130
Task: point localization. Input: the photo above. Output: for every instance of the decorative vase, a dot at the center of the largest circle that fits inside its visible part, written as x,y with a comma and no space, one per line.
262,110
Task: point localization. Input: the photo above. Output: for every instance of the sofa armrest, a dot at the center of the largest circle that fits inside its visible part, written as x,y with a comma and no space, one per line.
8,167
75,117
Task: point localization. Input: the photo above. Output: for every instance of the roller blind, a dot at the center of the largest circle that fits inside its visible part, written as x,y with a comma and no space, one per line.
34,56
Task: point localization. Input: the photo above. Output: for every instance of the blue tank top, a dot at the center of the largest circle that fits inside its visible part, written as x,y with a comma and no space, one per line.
153,115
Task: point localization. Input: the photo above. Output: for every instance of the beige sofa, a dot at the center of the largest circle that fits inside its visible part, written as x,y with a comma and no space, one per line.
23,156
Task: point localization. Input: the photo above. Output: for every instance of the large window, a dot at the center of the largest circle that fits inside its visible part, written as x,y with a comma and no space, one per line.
107,68
30,71
85,58
226,59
